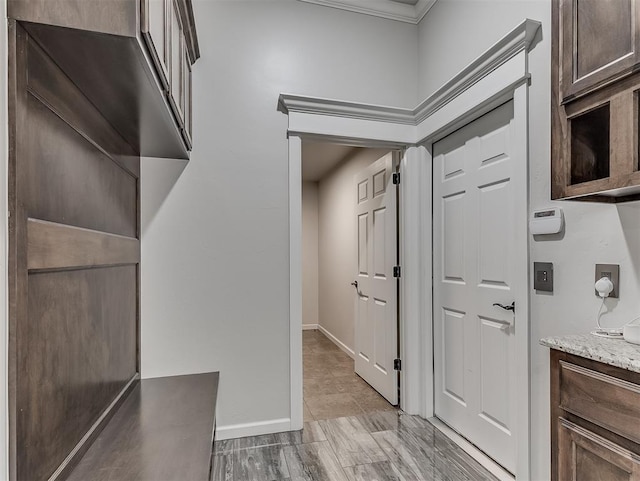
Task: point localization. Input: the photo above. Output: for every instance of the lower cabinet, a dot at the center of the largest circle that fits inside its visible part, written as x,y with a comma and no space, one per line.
585,456
595,411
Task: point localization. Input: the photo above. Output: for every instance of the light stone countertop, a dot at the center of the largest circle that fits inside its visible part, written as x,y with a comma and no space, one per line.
615,352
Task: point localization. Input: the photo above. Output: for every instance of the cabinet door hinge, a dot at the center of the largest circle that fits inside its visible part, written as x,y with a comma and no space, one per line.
396,271
397,365
396,178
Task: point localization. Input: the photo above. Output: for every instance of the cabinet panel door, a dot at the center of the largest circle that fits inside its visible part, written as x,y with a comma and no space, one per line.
585,456
186,95
155,32
601,399
600,43
177,49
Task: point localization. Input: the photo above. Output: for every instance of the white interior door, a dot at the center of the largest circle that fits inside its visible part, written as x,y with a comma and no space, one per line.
376,326
476,170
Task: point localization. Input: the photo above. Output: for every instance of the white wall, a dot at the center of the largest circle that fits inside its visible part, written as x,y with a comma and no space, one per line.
4,314
337,246
453,33
310,253
215,255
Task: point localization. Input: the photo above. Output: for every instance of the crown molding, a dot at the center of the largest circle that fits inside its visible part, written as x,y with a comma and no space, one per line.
522,38
400,12
288,103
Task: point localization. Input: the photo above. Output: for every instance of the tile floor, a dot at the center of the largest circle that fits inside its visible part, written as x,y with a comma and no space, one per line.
378,446
331,388
349,435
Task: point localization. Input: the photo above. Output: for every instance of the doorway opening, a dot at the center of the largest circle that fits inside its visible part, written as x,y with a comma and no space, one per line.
495,77
339,265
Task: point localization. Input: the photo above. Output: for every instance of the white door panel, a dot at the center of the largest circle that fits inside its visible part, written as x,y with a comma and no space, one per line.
376,330
474,219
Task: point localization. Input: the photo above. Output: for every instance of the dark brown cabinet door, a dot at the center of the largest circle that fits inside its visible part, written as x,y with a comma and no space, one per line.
594,101
600,43
186,95
166,26
585,456
154,27
175,69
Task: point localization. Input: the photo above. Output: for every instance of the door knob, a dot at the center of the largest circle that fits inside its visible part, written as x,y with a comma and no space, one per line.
512,307
355,284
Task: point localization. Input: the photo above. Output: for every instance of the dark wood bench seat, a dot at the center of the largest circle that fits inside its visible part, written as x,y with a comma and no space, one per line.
163,431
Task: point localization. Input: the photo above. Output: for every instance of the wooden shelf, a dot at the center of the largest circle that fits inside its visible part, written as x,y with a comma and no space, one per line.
590,145
162,431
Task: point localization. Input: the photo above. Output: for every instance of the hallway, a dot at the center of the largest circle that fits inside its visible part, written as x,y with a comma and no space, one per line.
351,433
331,387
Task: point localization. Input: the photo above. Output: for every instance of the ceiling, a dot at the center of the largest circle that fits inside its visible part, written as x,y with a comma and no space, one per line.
319,158
410,11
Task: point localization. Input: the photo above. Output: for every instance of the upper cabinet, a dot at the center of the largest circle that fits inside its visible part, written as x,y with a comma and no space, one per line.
131,58
595,85
600,44
176,36
155,30
186,95
169,32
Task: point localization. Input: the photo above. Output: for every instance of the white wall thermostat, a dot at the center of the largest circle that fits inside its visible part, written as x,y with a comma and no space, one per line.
547,221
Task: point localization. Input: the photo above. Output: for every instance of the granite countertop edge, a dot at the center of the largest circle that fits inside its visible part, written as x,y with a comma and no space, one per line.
615,352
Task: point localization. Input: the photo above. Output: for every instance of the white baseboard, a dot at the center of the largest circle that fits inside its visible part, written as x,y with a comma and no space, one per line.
309,327
488,463
337,342
253,429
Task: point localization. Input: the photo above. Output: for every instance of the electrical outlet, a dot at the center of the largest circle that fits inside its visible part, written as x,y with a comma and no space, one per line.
612,271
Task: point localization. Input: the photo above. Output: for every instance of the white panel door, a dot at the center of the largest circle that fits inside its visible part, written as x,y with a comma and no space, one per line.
474,268
376,326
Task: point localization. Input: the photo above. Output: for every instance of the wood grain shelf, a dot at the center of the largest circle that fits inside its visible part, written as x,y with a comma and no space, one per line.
162,431
86,98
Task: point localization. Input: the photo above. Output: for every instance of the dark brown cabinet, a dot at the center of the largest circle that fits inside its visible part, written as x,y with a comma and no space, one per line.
600,43
585,456
595,420
186,95
155,28
176,35
167,39
94,85
595,85
127,57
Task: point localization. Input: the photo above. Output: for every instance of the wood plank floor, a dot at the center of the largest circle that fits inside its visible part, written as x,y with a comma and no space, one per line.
350,434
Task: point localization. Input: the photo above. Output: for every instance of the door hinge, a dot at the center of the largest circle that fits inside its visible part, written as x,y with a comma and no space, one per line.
396,271
396,178
397,365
